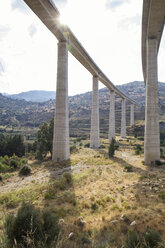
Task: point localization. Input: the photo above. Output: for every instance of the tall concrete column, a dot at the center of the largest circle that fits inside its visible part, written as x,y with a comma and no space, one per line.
123,119
112,116
152,133
95,132
132,116
61,149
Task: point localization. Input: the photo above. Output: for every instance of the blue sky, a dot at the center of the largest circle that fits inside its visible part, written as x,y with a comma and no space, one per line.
110,31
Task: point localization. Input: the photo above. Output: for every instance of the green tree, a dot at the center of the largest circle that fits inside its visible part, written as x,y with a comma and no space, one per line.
12,145
45,139
111,150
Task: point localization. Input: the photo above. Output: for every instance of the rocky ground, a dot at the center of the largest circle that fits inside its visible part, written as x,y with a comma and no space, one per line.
111,195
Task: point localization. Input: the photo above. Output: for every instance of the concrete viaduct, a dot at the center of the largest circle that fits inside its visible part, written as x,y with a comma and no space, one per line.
152,28
49,15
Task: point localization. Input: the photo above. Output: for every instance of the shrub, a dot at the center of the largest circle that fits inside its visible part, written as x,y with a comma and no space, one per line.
116,146
138,149
8,164
111,149
68,177
50,227
6,160
152,239
30,227
94,206
4,167
39,155
140,138
87,145
23,161
137,152
49,195
25,171
11,144
13,164
128,168
158,162
133,240
102,146
73,149
161,153
27,224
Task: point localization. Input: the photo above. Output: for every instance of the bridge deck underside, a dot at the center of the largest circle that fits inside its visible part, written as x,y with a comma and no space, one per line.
152,25
49,15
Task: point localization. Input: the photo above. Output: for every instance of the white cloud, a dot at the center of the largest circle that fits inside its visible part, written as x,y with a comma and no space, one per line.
112,36
113,4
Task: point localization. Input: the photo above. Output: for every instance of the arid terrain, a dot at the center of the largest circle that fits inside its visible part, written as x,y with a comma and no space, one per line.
112,195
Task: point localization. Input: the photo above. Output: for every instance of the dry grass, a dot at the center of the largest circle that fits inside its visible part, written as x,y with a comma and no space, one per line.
99,190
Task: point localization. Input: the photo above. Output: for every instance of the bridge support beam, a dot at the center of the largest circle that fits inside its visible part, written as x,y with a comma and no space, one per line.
95,131
123,119
152,133
61,149
132,116
112,116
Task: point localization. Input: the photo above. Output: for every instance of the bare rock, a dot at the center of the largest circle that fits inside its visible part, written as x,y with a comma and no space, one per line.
133,223
70,236
80,222
61,221
114,221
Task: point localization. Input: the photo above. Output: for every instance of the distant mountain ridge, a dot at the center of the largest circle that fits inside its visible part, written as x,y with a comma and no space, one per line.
135,90
21,113
33,95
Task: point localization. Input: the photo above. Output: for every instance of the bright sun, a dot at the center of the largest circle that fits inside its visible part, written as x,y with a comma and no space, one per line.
65,17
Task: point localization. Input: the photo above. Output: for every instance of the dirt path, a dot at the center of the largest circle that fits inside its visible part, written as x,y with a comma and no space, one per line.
131,158
38,176
42,174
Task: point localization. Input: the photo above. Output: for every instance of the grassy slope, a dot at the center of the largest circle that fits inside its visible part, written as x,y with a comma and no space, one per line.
100,191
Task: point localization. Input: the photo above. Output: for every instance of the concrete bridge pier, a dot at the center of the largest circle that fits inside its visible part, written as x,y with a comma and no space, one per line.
112,116
132,116
61,150
152,134
95,131
123,119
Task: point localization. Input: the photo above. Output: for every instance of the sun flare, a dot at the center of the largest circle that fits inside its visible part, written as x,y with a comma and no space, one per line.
65,17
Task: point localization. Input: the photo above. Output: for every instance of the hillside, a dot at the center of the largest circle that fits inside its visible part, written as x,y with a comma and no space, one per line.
20,113
136,90
34,95
114,197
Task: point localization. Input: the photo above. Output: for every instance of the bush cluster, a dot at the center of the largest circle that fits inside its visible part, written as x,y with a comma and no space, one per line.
128,168
151,239
10,145
31,227
138,149
162,138
8,164
112,148
73,149
25,171
87,145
